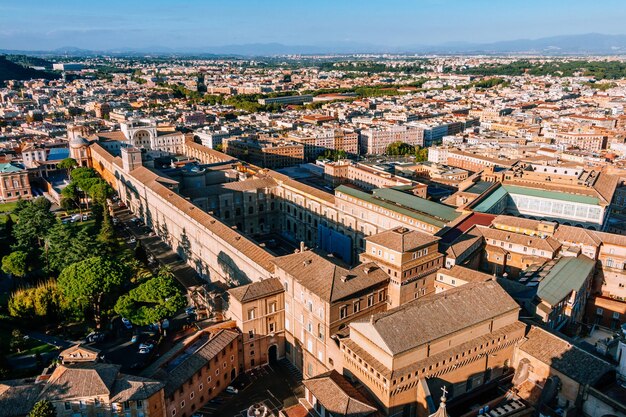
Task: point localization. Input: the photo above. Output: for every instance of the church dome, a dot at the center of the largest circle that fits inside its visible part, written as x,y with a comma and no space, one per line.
78,142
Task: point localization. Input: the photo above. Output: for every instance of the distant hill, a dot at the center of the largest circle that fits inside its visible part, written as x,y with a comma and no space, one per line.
30,61
583,44
11,71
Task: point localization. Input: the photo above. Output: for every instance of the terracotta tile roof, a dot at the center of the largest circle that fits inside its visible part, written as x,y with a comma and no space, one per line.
133,388
256,290
229,236
250,184
464,242
560,354
430,318
17,397
117,135
465,274
80,380
329,281
284,180
549,243
401,239
194,361
605,185
338,396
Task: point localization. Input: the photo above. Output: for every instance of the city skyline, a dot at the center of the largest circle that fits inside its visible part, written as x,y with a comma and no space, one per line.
342,26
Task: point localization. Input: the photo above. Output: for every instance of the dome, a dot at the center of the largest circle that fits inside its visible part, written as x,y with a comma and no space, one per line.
78,142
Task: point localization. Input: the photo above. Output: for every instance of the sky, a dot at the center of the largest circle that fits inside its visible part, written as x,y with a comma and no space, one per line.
195,24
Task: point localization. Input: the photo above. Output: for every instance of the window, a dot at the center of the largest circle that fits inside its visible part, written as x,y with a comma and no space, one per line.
616,315
271,327
68,406
272,307
286,285
126,405
370,300
251,314
182,404
208,379
140,403
200,387
599,311
173,411
96,402
356,307
192,395
343,312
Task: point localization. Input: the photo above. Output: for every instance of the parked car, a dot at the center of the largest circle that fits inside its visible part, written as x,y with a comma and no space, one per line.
146,345
115,221
127,323
190,310
144,351
132,239
134,339
95,337
232,390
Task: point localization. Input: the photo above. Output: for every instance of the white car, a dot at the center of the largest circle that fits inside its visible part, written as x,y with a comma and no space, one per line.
231,390
127,323
148,346
144,351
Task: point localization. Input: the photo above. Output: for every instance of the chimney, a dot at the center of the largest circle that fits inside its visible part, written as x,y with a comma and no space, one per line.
302,247
344,278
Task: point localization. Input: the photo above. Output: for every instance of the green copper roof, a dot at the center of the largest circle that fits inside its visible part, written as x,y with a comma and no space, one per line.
491,200
552,195
5,168
569,274
405,204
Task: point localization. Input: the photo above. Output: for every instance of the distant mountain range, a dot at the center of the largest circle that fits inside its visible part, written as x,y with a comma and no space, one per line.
586,44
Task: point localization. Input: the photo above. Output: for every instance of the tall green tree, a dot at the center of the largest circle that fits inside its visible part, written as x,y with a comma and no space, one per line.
59,240
92,282
16,264
67,164
399,149
152,301
106,234
34,221
421,154
43,408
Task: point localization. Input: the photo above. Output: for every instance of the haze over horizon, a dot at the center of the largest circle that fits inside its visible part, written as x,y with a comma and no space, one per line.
195,24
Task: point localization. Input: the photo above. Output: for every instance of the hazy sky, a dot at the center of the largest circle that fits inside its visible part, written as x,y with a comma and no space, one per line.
180,24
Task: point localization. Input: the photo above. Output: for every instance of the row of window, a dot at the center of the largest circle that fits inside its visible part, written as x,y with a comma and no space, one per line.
82,405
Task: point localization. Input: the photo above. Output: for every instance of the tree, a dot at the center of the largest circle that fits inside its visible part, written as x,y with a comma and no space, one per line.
16,264
89,283
67,164
399,149
34,221
58,241
43,301
43,408
151,301
107,234
421,154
